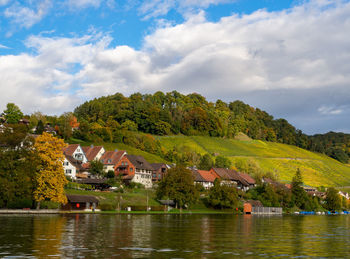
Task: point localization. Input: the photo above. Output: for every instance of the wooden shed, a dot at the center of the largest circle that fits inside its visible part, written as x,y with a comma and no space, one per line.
247,208
81,202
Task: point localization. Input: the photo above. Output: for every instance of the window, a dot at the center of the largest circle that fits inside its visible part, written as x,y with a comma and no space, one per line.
69,171
65,163
154,175
122,163
78,150
126,163
130,169
109,161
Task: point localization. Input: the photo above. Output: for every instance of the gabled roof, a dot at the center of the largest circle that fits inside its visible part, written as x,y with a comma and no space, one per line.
207,176
230,174
91,152
112,157
248,178
157,166
68,151
139,162
197,176
76,163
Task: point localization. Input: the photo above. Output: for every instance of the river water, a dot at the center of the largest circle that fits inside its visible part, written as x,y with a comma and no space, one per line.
173,236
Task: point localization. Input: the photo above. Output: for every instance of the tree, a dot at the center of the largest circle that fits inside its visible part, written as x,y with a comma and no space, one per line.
333,201
96,168
222,195
222,162
178,185
39,128
49,178
17,167
206,163
12,113
299,196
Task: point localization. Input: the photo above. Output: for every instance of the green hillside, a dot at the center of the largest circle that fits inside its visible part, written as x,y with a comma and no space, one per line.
282,159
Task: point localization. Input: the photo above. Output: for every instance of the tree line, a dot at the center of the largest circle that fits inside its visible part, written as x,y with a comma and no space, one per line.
174,113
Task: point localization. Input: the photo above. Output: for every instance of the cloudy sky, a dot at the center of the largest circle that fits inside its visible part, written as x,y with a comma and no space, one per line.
290,58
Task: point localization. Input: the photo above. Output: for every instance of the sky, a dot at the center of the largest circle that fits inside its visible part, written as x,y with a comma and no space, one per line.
289,58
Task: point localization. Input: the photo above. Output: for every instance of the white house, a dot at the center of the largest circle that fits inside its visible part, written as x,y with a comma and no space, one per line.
71,167
75,151
93,152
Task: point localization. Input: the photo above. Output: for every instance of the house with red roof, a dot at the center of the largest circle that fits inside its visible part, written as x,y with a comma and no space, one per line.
205,178
110,158
74,160
232,177
135,169
75,151
93,152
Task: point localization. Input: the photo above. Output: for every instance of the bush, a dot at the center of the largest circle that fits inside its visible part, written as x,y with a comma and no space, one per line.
133,185
107,207
20,204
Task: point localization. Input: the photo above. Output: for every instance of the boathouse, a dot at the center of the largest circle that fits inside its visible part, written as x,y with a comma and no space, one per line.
80,202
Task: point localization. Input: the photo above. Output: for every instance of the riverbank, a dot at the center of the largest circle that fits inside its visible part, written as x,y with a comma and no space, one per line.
22,212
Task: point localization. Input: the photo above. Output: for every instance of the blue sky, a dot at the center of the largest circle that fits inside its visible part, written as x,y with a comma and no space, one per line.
290,58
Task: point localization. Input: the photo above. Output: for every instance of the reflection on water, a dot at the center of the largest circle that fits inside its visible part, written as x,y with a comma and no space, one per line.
173,236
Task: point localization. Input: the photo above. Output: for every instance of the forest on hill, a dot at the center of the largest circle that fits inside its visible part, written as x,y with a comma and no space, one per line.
117,118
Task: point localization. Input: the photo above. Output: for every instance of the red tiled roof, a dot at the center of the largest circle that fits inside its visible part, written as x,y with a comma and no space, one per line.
68,151
91,152
207,175
197,176
112,157
230,174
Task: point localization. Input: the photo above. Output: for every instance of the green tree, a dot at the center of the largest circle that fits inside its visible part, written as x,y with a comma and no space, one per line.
299,196
222,195
96,168
178,185
39,128
17,167
222,162
12,113
333,200
206,163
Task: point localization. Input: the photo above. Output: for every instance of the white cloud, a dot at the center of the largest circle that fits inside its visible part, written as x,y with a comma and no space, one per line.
155,8
4,2
3,47
327,110
298,58
25,16
83,3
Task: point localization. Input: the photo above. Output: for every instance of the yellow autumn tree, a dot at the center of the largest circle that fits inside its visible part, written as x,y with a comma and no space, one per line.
49,177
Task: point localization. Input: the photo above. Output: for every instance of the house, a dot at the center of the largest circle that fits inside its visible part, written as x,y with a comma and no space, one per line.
72,167
205,178
75,151
251,182
160,169
110,158
81,202
231,177
93,152
135,169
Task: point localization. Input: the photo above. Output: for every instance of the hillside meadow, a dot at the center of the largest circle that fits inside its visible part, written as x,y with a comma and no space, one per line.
280,159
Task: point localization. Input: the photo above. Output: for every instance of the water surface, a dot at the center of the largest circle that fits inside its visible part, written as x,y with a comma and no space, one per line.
173,236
